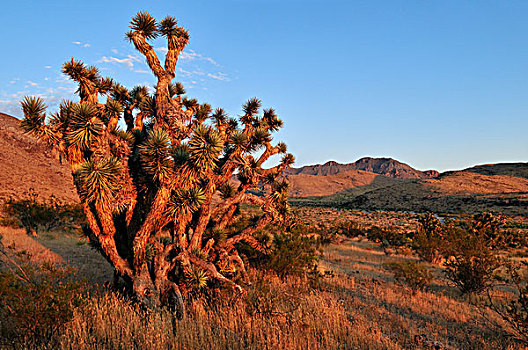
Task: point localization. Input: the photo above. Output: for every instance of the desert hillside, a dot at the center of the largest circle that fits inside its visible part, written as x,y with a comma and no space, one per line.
457,192
26,164
508,169
305,185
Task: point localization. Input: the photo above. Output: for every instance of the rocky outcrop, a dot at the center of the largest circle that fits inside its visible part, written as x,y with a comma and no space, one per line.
382,166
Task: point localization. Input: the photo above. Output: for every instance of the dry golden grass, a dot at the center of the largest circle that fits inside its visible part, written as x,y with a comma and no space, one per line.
353,309
358,305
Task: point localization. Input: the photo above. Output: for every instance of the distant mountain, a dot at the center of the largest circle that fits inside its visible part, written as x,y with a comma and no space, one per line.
25,164
382,166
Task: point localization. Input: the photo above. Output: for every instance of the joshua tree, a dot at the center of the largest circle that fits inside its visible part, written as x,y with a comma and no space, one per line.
158,195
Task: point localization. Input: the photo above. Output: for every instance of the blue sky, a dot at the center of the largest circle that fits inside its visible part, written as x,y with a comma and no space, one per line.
436,84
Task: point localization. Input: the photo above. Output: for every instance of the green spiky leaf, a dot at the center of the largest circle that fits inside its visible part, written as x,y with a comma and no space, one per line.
168,26
113,108
84,125
288,159
99,180
227,191
148,106
184,202
202,112
251,107
189,103
176,89
34,115
238,139
205,147
181,155
144,24
282,147
155,154
138,93
260,137
196,278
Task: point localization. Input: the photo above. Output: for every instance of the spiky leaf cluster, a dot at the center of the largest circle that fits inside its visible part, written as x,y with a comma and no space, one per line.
155,154
99,180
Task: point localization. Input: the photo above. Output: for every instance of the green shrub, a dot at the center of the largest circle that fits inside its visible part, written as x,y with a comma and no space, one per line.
293,253
415,274
389,237
429,241
34,215
468,249
348,228
471,251
290,250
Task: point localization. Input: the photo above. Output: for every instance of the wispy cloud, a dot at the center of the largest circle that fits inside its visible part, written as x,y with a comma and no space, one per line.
191,55
218,76
47,67
128,61
80,43
52,89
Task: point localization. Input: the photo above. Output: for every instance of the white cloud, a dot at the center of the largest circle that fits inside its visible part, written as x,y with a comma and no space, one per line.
191,55
80,43
114,51
114,60
47,67
32,83
218,76
128,61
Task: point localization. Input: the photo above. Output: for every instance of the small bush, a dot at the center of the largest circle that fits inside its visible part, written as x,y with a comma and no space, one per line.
467,248
291,250
429,241
293,254
34,215
515,311
415,274
471,255
349,229
389,237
